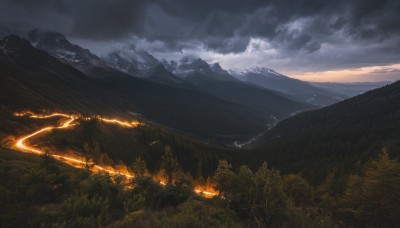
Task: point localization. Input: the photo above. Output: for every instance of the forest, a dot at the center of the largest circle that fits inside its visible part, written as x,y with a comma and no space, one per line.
42,192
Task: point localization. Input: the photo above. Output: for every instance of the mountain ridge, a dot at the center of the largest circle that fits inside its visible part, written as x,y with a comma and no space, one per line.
34,79
337,136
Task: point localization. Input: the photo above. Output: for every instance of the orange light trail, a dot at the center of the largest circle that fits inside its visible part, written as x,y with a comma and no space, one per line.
122,123
22,146
206,193
21,142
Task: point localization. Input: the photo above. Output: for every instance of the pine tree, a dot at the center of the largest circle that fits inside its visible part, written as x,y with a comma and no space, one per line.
169,164
224,177
138,167
272,201
298,189
380,193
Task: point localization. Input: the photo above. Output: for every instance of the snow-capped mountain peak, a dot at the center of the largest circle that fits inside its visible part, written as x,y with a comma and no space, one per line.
186,65
253,70
57,45
134,62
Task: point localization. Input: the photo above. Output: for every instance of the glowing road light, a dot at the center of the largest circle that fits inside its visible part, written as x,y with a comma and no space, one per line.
21,142
119,122
22,146
207,193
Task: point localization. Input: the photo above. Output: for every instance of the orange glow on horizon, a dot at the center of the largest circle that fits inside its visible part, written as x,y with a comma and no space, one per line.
370,73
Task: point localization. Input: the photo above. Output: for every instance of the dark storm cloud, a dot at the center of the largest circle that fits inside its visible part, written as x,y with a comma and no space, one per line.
104,19
227,45
292,27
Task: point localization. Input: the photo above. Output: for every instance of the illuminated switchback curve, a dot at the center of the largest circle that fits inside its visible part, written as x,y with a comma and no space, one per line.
21,145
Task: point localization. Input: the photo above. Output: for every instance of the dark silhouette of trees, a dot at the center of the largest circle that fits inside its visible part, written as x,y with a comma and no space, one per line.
169,164
138,167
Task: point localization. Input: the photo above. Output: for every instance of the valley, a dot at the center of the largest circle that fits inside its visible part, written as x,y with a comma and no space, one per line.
185,114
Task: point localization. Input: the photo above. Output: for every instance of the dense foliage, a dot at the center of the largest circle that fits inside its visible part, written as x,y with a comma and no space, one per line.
336,137
38,191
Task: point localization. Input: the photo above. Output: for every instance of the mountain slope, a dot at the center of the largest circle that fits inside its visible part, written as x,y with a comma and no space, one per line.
32,79
161,75
336,136
212,80
303,91
218,82
58,46
137,63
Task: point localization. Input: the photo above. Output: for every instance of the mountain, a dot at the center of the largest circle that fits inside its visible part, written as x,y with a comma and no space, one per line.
134,62
197,69
336,137
170,66
161,75
216,68
137,63
114,60
32,79
350,89
194,76
303,91
218,82
57,45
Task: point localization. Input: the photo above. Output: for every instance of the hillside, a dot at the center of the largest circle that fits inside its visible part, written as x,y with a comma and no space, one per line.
218,82
121,145
39,191
32,79
273,104
301,90
336,137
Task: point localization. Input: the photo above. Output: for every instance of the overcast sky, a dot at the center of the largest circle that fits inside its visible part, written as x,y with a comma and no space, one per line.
319,40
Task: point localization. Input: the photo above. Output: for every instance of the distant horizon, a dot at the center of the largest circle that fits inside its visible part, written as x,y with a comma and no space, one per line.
389,73
381,73
370,74
378,73
321,41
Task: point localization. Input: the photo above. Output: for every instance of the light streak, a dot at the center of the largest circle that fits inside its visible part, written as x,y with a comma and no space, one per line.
121,123
70,160
22,146
21,142
207,193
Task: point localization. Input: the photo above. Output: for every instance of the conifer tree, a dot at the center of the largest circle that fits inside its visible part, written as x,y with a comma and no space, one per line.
224,177
169,164
138,167
380,193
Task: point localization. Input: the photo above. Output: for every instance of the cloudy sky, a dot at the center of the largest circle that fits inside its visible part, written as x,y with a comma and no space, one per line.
317,40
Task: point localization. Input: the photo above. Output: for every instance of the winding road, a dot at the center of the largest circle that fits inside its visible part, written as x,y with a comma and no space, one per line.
69,122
